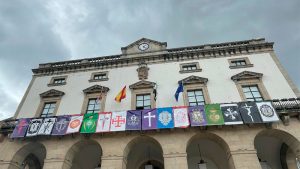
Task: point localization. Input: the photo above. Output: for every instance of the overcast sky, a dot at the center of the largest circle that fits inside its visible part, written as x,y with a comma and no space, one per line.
37,31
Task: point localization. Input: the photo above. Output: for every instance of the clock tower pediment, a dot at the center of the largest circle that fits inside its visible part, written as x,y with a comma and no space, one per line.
143,45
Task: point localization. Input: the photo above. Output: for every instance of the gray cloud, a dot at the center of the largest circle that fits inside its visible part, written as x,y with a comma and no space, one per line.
33,32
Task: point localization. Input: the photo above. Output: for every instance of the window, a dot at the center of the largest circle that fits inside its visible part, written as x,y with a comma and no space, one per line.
57,81
252,93
239,63
195,97
93,106
143,101
190,67
48,109
99,76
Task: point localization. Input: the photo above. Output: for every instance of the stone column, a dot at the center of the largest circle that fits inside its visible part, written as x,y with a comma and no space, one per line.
111,162
244,159
56,164
175,161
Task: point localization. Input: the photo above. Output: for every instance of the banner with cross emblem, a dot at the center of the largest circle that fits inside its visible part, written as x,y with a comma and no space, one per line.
34,127
197,116
47,126
133,120
165,118
118,121
89,123
249,112
213,114
149,119
103,124
61,125
20,129
267,112
231,114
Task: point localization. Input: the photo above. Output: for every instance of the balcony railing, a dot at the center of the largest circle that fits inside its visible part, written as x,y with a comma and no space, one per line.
284,107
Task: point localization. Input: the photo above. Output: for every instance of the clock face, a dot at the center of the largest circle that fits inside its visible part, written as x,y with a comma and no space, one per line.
143,46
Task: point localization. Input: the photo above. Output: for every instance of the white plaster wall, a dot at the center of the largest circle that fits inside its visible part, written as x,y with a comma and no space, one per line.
220,87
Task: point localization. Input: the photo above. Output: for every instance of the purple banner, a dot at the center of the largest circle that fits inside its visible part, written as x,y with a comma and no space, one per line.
61,125
133,120
197,116
21,128
149,119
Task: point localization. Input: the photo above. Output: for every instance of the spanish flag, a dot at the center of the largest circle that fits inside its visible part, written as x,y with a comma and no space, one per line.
121,95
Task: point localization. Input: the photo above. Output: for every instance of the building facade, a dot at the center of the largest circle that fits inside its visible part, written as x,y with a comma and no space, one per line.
212,73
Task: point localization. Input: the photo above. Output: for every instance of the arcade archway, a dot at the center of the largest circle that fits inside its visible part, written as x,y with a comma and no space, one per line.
85,154
207,150
30,156
143,151
277,149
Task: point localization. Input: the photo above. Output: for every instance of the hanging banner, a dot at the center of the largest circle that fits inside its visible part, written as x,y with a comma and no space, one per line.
89,123
149,119
214,114
74,124
61,125
47,126
267,112
34,127
181,118
231,114
103,124
133,120
118,121
21,128
249,112
165,118
197,116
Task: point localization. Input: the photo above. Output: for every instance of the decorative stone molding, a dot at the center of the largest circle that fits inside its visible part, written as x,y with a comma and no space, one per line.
168,55
143,71
52,93
193,80
245,59
142,85
159,45
96,89
246,75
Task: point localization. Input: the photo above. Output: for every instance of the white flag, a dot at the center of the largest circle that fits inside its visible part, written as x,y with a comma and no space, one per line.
267,112
118,121
103,124
75,123
47,126
34,127
181,118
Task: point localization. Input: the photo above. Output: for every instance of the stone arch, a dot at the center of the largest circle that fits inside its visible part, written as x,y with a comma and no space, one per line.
83,154
214,150
277,149
143,150
31,155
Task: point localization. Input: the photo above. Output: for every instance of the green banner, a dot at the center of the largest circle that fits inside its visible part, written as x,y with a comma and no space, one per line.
214,114
89,123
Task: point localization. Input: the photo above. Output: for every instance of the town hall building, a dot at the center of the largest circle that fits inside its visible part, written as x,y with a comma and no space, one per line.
149,81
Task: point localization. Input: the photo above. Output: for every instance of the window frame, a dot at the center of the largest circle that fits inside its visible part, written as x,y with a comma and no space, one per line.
232,65
93,75
143,95
43,101
196,86
53,79
44,107
251,92
195,97
194,64
89,96
88,104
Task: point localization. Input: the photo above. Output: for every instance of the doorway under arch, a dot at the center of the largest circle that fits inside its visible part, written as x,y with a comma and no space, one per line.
143,151
208,149
85,154
30,156
277,149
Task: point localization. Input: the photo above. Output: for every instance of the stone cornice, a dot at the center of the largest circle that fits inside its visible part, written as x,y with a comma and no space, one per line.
168,55
52,93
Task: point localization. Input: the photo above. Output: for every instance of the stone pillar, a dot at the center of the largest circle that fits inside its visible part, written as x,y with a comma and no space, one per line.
175,161
56,164
111,162
244,159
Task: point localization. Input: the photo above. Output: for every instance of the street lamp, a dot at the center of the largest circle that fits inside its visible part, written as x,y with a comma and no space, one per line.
202,163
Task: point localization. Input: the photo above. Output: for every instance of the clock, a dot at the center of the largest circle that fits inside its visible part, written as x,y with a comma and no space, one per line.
143,46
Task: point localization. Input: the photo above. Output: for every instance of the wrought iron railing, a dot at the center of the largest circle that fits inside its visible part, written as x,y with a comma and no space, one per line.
284,107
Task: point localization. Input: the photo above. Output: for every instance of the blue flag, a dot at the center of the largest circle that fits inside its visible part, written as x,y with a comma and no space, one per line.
179,90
